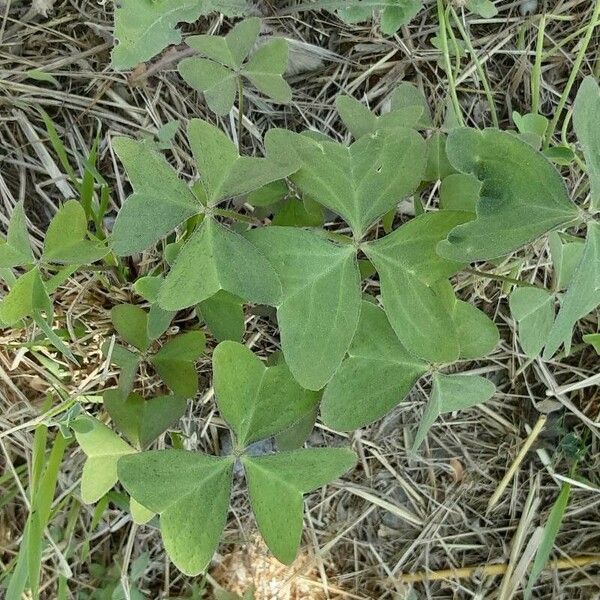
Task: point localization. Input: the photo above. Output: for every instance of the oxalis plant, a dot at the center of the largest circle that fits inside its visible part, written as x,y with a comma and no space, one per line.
364,305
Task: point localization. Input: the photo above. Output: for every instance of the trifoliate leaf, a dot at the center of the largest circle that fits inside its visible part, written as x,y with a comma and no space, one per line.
583,295
26,295
533,310
160,202
103,449
141,420
276,484
565,252
522,196
15,251
216,258
376,376
175,362
145,27
459,192
223,314
256,401
224,173
360,182
585,120
65,240
361,121
320,304
450,393
218,75
191,492
131,324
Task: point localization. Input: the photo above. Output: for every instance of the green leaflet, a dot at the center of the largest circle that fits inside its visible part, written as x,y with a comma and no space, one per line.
438,165
450,393
131,323
594,340
522,196
145,27
214,259
140,515
15,251
65,240
276,484
256,401
533,309
227,65
26,295
408,265
459,192
376,376
477,333
103,449
160,201
566,253
141,420
583,294
320,304
191,492
360,121
360,182
223,314
586,113
408,95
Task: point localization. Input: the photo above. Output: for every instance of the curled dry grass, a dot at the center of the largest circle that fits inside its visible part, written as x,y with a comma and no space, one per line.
398,512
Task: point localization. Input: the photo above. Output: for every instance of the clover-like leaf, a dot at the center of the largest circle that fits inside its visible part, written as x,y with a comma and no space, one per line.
583,295
586,113
143,28
131,323
256,401
277,483
190,491
65,240
15,250
450,393
103,448
565,251
175,362
216,258
223,314
360,182
27,295
160,201
218,75
522,196
377,374
320,304
477,334
407,265
533,310
408,95
360,121
141,420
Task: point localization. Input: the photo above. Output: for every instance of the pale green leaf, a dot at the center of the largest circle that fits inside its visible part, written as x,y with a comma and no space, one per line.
160,202
459,192
140,515
129,363
451,393
269,194
565,252
438,165
320,305
594,340
276,484
26,295
360,182
103,449
533,309
141,420
65,240
586,114
214,259
224,173
407,95
256,401
145,27
477,333
159,321
295,436
522,196
131,324
223,314
375,377
583,295
484,8
191,492
15,251
265,69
